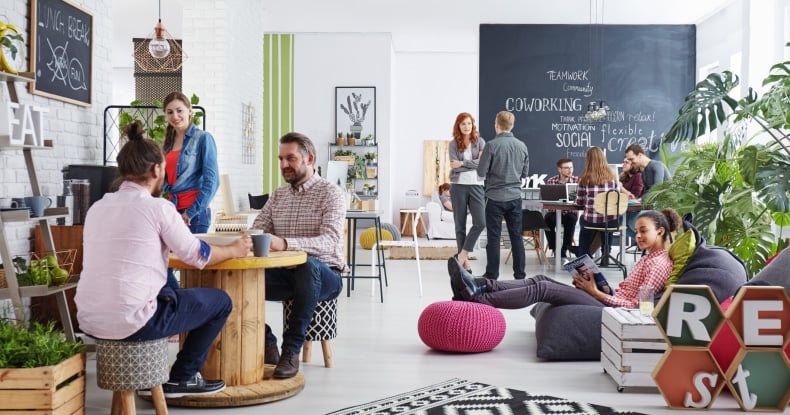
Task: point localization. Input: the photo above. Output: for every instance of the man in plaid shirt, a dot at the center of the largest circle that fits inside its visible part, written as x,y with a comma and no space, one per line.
307,215
569,218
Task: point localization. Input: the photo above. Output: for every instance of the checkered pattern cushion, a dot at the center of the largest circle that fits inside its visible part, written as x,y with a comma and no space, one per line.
122,365
324,323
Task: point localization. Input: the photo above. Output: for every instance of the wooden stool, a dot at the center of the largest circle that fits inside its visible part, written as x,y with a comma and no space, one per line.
125,366
323,327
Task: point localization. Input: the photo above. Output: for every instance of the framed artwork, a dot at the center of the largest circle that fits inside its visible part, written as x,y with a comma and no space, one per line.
355,111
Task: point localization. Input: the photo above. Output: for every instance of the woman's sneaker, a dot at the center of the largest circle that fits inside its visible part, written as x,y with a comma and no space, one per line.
194,386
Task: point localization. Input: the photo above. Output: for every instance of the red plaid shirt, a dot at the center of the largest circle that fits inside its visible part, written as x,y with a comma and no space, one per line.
556,180
652,269
585,196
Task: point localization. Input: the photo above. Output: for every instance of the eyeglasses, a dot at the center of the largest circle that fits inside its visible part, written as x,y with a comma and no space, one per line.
566,167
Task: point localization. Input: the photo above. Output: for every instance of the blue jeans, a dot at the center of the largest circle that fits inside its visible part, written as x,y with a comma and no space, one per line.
306,285
198,224
511,212
586,235
540,288
471,198
200,311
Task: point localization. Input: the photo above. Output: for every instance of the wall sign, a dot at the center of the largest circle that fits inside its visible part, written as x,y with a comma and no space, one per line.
547,75
61,34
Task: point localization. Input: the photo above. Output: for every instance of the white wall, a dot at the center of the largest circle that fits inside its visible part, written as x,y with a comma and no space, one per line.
75,130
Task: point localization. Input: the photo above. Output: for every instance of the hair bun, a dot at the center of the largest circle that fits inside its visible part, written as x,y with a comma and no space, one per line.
134,131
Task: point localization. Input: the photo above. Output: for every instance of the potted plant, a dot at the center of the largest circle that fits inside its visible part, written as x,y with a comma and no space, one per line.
360,171
350,139
345,155
368,140
368,189
339,140
370,157
737,188
42,371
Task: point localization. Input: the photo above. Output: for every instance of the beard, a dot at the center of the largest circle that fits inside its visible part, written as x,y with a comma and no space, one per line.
293,176
157,191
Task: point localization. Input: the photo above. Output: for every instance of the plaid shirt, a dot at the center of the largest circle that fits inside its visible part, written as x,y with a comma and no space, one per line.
652,270
585,196
309,218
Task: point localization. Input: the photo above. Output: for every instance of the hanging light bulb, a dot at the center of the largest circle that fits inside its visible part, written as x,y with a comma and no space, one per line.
159,47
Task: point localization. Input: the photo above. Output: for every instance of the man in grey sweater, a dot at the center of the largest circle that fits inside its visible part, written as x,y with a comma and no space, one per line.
653,171
504,163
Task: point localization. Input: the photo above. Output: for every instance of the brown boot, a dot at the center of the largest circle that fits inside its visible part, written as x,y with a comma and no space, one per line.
271,356
288,366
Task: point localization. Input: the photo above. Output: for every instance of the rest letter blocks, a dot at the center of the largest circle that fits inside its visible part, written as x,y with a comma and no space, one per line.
747,349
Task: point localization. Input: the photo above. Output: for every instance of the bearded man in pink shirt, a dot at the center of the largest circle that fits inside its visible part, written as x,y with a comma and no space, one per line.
122,295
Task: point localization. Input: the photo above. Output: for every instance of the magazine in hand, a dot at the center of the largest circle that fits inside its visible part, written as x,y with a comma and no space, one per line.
584,266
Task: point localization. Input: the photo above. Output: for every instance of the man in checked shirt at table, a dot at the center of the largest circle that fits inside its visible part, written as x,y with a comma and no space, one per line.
306,214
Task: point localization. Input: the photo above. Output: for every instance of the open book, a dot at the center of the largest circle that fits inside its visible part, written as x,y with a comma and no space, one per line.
585,267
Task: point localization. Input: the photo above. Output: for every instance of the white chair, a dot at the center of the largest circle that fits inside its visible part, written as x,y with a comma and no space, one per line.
402,243
440,222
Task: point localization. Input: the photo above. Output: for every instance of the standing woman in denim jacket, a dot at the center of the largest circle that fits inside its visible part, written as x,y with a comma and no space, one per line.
191,171
467,193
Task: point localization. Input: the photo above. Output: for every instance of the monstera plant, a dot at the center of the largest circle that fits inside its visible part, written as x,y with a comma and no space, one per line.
735,188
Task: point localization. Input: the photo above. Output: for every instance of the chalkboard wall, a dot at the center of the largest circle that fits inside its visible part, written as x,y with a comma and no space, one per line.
62,39
548,74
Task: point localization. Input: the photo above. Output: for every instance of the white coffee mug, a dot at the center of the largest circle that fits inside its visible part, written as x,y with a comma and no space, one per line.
7,203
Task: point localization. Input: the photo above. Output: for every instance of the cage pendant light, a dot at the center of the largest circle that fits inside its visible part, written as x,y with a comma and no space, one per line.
159,52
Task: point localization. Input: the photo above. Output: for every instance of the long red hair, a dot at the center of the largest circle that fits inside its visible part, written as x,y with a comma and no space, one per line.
458,137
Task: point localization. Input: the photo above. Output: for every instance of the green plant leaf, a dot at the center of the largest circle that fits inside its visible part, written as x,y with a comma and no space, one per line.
705,107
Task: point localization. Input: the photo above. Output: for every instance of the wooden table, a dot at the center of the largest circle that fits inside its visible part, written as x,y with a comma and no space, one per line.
407,216
236,356
560,207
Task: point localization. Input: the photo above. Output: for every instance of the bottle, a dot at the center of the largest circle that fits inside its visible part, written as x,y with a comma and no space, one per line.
66,200
81,190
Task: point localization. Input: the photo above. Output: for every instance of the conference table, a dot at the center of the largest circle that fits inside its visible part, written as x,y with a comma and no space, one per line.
561,206
236,355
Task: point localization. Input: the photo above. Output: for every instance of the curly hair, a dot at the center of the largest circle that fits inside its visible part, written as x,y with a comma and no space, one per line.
458,137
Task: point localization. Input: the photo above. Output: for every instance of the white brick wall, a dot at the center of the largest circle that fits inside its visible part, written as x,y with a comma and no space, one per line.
225,72
75,130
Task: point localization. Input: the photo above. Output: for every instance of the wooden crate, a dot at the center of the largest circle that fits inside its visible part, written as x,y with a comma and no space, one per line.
42,390
631,346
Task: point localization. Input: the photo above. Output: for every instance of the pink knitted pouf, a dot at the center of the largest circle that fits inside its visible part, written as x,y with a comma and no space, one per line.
459,326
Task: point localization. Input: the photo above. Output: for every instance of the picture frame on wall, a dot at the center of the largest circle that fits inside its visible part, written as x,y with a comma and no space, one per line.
355,111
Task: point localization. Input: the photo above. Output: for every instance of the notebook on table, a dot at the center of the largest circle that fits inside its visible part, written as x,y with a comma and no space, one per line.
553,192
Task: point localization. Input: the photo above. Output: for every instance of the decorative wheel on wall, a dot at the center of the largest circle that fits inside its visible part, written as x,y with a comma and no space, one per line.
12,45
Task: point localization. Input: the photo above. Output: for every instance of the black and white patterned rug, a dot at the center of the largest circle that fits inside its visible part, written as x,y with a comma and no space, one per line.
458,397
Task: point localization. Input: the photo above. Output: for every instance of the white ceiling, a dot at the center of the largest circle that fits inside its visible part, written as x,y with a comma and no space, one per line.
411,22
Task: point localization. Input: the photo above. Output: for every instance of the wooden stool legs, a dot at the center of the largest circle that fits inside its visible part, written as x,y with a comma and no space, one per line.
326,348
123,402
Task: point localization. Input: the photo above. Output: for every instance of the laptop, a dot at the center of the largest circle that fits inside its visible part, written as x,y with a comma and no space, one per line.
570,191
553,192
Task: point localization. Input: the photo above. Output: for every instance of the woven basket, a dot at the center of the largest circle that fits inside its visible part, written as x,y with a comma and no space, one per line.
66,259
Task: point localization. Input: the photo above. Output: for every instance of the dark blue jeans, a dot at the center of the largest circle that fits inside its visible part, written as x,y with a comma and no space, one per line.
200,311
586,236
306,285
198,224
511,212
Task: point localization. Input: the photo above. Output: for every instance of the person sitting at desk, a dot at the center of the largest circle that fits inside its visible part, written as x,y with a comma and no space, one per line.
568,218
122,292
306,214
444,196
596,178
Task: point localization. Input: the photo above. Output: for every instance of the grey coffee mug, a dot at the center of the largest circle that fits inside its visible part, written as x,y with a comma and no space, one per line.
38,204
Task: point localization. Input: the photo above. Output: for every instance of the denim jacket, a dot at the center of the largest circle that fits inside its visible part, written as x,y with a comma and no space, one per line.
196,170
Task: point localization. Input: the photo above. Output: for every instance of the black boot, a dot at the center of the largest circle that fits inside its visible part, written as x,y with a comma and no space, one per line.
459,277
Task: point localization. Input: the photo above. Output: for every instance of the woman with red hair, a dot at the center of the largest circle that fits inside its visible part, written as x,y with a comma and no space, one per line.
467,192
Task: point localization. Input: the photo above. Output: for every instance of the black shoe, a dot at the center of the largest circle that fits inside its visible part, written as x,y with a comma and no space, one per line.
194,386
271,356
288,366
459,276
456,285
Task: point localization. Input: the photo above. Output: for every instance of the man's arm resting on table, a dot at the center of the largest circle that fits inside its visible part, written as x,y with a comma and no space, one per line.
238,249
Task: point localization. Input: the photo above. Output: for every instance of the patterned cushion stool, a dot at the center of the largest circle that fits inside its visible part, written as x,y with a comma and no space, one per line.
459,326
125,366
322,328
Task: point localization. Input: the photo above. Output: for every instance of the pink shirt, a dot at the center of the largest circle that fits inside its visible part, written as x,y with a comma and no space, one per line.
127,238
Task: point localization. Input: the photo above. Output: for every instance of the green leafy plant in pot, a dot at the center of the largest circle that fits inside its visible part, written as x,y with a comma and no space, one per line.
34,346
736,188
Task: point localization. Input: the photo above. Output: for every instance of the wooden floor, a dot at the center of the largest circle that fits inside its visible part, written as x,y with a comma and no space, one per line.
378,353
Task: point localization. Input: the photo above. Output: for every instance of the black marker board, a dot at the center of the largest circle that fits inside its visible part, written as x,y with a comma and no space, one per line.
61,43
548,74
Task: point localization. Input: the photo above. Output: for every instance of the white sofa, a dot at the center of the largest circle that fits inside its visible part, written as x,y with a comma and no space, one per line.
440,222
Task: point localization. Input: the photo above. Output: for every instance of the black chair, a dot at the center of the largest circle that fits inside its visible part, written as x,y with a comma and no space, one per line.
531,223
611,203
258,202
